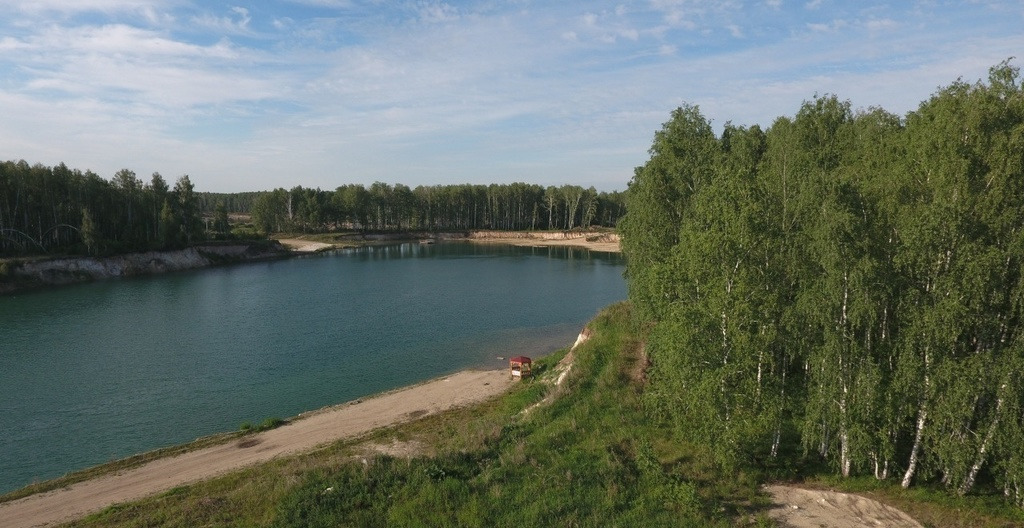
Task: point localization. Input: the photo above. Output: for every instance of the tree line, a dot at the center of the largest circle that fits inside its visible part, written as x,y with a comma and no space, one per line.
845,286
58,209
62,210
516,206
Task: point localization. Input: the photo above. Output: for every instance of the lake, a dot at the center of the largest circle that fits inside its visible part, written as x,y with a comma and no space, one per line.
96,372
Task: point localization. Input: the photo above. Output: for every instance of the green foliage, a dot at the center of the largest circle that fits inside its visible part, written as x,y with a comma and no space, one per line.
57,209
88,231
849,281
221,224
265,425
381,207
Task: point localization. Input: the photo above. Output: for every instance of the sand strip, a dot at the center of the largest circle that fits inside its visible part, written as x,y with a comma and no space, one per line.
304,246
303,434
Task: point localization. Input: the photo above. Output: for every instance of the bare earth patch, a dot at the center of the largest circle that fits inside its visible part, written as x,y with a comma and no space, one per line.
396,448
805,508
304,246
305,433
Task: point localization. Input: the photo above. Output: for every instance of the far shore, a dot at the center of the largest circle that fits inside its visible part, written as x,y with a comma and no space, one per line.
26,273
593,240
304,433
604,244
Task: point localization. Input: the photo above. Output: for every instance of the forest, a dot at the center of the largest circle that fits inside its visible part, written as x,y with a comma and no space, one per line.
381,207
842,288
63,210
58,210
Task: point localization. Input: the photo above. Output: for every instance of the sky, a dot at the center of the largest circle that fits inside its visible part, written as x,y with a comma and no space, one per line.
254,95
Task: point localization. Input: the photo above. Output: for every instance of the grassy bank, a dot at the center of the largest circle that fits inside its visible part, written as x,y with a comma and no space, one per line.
584,456
578,453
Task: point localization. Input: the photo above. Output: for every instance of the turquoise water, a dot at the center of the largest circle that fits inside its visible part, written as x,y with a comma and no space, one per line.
100,371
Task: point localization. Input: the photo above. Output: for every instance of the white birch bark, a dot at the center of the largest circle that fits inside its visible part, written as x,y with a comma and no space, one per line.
968,482
844,437
922,416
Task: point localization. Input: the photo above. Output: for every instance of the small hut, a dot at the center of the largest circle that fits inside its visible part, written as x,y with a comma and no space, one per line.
520,366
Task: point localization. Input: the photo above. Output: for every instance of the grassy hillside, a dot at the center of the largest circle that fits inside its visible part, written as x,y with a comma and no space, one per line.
577,453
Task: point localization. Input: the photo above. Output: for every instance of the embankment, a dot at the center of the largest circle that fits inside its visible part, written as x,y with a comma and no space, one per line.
18,275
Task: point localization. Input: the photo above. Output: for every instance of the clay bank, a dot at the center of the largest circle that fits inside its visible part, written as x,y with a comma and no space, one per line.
17,274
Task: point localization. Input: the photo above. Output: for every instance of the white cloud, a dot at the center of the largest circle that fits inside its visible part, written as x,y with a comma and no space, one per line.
123,40
340,4
237,24
12,44
883,24
79,6
437,12
827,27
735,30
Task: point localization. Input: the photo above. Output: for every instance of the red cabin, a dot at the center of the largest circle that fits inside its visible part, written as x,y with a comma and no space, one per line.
520,366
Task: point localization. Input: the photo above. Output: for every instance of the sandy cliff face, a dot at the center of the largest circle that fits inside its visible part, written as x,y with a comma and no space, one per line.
82,269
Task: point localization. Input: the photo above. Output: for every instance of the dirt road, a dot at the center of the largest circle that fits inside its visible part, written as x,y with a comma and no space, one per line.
305,433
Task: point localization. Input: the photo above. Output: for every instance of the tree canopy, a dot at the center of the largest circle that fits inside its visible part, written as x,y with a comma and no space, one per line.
45,209
516,206
845,283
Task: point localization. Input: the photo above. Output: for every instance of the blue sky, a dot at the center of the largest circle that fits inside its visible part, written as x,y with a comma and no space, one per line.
252,95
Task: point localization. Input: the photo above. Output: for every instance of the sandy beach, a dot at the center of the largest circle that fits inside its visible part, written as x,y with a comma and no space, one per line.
307,432
605,242
304,246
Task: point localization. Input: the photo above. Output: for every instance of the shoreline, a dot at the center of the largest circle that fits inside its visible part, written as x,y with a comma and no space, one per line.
20,274
33,273
303,433
608,242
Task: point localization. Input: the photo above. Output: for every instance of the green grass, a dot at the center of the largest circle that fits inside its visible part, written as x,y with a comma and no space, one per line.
265,425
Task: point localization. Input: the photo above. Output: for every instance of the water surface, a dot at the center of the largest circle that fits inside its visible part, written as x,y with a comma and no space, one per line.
100,371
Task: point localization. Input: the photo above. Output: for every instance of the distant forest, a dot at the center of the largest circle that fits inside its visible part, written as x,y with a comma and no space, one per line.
63,210
516,206
844,287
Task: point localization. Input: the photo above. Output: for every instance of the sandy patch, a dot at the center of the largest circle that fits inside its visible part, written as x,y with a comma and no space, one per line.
804,508
608,243
396,448
305,433
304,246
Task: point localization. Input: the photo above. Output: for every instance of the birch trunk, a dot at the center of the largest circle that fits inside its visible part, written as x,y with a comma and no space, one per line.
968,482
922,416
844,437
